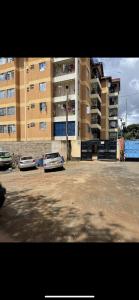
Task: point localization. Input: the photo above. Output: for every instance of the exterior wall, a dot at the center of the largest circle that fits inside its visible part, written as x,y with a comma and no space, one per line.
104,135
76,149
85,102
7,102
36,149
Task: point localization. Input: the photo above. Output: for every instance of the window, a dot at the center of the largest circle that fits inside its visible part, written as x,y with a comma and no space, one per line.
3,128
42,86
9,75
42,125
2,76
42,66
43,106
32,105
3,94
3,60
10,93
11,110
113,124
11,128
27,89
2,111
31,86
10,59
32,67
32,124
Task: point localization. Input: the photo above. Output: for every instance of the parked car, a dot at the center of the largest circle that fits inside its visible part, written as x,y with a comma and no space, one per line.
2,195
5,159
27,162
53,161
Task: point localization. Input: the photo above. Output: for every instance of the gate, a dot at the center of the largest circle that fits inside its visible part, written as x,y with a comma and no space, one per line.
107,149
131,149
88,148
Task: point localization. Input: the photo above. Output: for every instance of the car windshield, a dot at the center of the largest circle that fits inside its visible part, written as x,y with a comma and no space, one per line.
4,154
26,158
52,155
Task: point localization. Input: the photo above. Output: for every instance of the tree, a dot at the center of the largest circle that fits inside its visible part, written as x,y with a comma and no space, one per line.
131,132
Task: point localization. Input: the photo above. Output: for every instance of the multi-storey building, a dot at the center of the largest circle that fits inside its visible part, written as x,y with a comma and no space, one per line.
33,93
109,108
33,97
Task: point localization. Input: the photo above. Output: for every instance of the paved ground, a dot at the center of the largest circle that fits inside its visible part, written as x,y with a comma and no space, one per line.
88,202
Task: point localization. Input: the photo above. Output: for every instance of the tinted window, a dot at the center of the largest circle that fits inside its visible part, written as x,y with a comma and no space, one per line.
4,154
26,158
52,155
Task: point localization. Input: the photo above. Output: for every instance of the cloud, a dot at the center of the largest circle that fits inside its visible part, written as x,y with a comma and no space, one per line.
128,71
134,84
129,62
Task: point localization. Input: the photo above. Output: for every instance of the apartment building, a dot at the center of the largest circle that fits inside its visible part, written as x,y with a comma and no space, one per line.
33,97
109,108
33,94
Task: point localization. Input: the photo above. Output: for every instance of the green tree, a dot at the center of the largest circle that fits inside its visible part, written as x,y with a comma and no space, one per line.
131,132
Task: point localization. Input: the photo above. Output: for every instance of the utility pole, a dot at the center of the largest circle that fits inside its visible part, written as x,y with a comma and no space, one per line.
67,142
126,114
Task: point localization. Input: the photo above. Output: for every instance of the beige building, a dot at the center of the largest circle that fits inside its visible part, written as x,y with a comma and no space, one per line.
33,97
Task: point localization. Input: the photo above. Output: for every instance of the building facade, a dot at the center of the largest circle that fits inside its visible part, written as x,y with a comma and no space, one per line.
33,93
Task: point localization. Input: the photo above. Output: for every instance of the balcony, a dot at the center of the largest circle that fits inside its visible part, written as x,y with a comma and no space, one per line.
113,125
95,119
113,102
64,71
95,111
58,59
60,92
95,92
113,129
95,126
113,114
59,111
95,133
96,81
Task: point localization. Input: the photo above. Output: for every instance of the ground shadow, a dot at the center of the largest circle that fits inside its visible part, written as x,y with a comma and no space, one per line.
41,219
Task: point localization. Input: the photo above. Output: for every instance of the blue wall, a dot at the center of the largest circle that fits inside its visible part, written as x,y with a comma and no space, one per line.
60,128
132,148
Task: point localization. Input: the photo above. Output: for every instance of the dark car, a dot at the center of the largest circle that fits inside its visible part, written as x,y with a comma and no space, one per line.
2,195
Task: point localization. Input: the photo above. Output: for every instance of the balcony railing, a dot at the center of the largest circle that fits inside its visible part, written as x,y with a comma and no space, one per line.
96,121
63,93
96,106
96,91
64,69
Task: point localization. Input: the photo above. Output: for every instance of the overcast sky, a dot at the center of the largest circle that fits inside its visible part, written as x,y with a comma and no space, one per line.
128,71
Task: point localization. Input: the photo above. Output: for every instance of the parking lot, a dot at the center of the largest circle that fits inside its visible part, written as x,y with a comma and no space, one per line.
96,201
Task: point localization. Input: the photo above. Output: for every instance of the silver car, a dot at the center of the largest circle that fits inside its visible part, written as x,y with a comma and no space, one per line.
27,162
53,161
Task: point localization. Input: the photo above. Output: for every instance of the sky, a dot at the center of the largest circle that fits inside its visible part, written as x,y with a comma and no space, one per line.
127,69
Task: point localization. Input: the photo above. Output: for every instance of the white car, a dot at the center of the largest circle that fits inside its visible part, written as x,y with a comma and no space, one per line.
27,162
5,159
53,161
